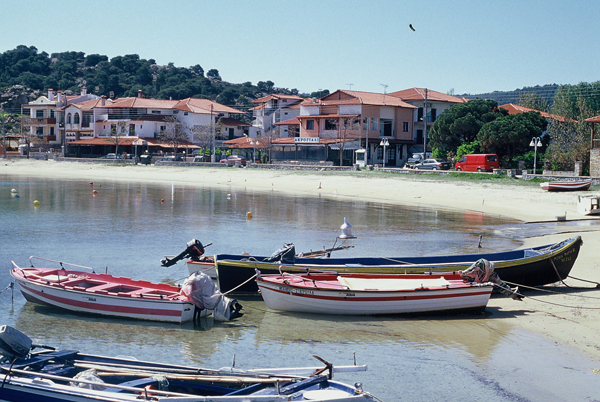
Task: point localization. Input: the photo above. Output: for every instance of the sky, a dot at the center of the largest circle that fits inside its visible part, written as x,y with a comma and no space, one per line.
464,47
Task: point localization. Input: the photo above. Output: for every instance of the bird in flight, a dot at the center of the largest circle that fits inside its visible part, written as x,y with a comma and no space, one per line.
411,27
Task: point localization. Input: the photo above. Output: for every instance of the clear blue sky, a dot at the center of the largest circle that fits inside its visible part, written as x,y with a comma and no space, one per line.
468,46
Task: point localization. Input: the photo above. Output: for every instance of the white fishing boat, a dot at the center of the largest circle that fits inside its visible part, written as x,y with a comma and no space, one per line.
564,185
88,292
372,294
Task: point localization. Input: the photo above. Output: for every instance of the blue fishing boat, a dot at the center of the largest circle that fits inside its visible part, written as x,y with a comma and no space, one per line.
50,375
535,266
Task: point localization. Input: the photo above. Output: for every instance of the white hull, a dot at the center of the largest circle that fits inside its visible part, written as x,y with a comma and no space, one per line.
350,302
566,185
588,205
174,311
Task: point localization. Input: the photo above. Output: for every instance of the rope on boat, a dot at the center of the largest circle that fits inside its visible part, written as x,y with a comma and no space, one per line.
240,285
555,292
585,280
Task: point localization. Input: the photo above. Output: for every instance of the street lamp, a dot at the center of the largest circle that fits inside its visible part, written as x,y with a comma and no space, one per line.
384,143
535,143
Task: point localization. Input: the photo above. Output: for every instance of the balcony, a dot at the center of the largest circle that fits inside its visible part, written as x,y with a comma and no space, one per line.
48,138
38,121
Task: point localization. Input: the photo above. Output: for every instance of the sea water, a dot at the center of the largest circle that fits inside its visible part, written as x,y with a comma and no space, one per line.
126,228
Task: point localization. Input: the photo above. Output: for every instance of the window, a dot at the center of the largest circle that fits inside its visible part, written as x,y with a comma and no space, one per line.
433,115
69,118
310,124
175,111
420,114
40,131
113,128
39,113
405,127
419,139
365,123
51,130
76,118
156,112
330,124
132,129
52,114
185,113
374,123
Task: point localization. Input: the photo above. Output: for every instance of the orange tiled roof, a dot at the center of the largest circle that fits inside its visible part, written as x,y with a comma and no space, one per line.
418,94
516,109
595,119
228,121
130,140
246,143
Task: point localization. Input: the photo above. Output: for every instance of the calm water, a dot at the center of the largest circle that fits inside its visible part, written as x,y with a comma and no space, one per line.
126,229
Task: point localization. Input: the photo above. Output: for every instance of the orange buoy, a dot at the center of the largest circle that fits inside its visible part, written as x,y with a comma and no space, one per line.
248,215
94,192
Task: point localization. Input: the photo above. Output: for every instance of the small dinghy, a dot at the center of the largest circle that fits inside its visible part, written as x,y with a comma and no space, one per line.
579,185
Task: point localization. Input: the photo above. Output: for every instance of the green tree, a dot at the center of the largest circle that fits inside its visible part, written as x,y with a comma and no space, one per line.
510,135
461,123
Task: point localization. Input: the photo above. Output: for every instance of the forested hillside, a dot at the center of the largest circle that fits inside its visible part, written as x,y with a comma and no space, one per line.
124,76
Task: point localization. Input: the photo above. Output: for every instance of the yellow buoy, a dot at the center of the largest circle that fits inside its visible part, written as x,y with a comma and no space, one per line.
36,203
248,215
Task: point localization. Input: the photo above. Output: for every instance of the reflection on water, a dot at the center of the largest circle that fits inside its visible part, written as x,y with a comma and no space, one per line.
126,228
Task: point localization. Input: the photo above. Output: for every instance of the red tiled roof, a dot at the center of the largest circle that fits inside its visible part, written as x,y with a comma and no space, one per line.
418,94
245,143
289,122
203,106
277,96
130,141
516,109
364,98
595,119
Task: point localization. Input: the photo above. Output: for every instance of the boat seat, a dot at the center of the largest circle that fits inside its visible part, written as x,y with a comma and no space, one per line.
137,383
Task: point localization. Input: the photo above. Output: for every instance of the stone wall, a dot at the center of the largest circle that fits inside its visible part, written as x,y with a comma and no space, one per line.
595,162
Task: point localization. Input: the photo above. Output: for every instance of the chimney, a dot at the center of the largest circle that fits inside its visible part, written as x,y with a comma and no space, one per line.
60,96
102,100
50,95
140,93
83,91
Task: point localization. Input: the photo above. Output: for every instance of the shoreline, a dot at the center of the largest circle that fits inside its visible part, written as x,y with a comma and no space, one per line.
570,320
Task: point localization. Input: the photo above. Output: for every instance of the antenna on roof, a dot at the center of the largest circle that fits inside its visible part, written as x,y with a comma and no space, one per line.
384,89
350,86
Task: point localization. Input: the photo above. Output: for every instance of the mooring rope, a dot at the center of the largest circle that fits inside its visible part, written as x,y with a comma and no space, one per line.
240,285
553,292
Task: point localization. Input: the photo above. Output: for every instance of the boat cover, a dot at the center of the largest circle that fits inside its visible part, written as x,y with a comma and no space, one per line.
482,271
285,255
200,289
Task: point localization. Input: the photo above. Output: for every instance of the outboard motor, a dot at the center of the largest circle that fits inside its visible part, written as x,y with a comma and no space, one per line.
194,250
482,271
14,343
285,255
202,291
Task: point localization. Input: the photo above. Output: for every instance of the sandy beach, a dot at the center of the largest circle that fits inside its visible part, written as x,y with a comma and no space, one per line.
568,318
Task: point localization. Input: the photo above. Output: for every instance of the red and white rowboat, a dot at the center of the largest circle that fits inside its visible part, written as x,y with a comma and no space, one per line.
372,294
124,297
566,185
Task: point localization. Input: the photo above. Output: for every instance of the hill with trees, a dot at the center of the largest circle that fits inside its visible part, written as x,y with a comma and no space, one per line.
123,76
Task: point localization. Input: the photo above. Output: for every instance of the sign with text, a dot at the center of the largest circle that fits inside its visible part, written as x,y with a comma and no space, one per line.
306,140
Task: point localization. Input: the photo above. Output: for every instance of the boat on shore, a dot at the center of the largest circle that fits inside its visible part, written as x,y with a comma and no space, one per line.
535,266
588,204
563,185
88,292
69,375
373,294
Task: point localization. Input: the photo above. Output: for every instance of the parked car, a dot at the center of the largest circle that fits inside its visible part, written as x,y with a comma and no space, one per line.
432,164
172,158
416,158
232,159
112,156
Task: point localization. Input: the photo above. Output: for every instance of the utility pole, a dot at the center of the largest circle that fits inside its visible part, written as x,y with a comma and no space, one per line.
213,157
425,126
3,133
